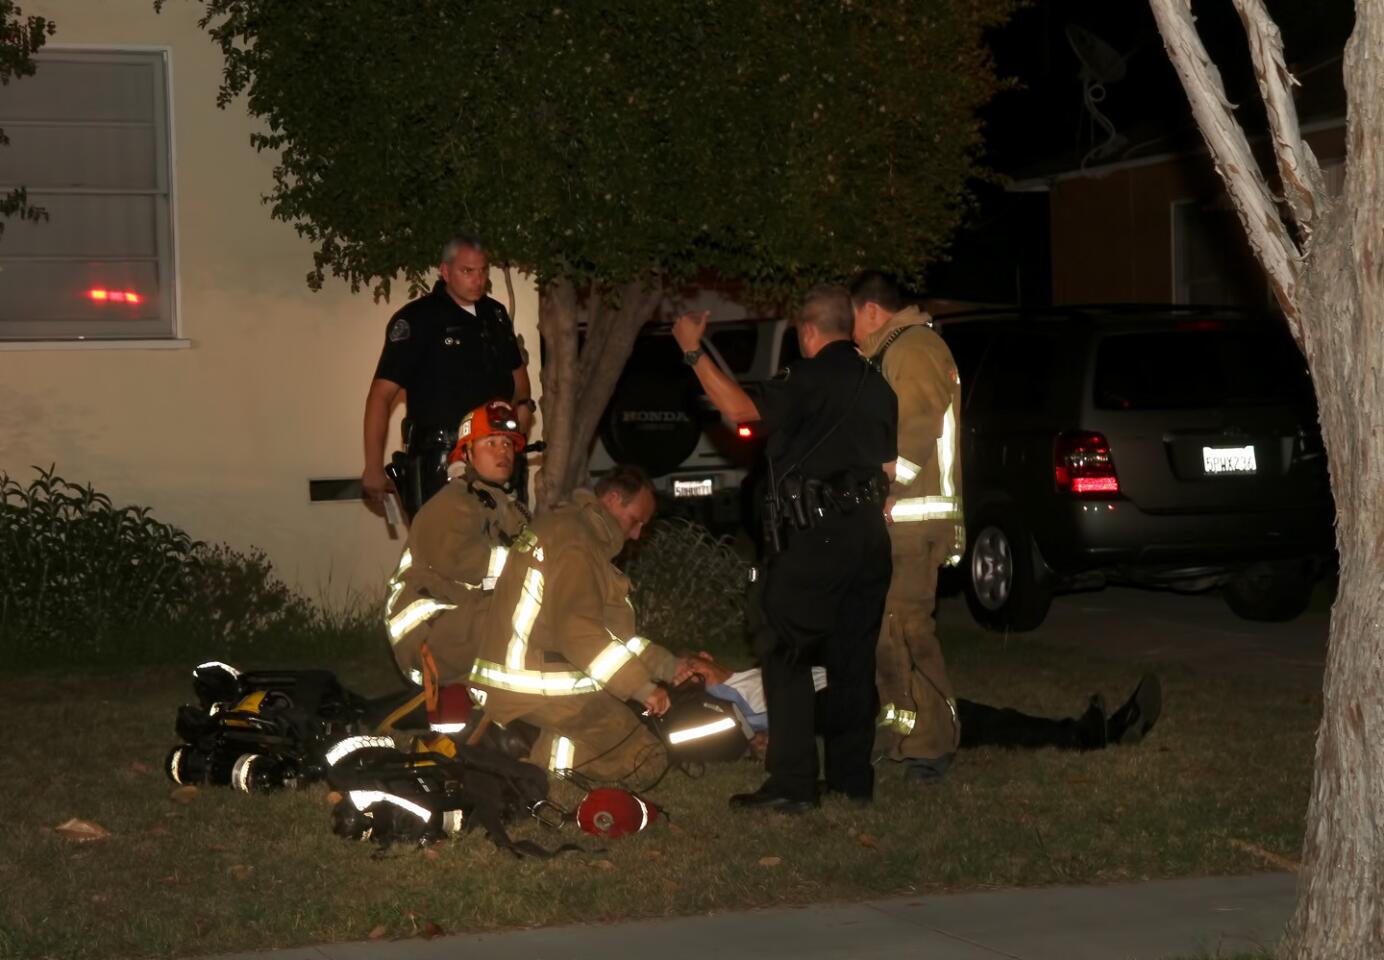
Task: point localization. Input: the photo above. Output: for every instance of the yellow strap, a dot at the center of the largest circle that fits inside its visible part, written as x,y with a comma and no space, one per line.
413,703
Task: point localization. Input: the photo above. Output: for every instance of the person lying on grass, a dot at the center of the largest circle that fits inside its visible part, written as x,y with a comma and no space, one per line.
978,724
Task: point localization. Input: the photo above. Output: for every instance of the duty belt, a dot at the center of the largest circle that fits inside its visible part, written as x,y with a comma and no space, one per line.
803,502
419,437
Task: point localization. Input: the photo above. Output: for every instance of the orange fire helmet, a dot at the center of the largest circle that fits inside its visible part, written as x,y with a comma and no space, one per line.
489,419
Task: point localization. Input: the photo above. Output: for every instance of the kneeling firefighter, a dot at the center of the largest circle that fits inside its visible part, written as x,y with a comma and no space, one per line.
457,546
559,650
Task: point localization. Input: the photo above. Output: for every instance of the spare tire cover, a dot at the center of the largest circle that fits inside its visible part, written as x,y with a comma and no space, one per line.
653,422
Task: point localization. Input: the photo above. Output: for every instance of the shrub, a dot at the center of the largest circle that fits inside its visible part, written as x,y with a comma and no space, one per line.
689,589
85,582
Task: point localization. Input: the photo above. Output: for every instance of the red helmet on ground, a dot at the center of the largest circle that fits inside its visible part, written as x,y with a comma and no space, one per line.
449,706
489,419
452,711
612,812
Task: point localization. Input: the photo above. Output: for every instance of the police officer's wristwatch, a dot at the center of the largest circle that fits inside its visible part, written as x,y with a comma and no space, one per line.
691,357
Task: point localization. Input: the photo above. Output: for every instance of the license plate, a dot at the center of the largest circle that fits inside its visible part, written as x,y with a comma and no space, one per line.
1228,461
694,488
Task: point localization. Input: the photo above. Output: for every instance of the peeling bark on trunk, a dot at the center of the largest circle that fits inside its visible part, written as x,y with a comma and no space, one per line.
1340,912
577,385
1339,908
1331,285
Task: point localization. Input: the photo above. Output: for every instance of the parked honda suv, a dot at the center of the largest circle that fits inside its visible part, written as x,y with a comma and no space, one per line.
1166,446
659,418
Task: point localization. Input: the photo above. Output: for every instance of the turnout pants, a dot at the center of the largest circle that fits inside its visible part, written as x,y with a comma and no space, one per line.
918,719
823,599
595,737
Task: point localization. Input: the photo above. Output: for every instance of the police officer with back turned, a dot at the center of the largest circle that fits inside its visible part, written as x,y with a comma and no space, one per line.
449,351
831,424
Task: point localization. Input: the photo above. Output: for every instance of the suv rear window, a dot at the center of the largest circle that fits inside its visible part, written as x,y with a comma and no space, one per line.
788,348
1198,367
736,345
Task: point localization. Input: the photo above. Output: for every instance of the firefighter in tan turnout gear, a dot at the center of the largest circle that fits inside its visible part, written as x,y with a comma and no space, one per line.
918,722
457,546
559,649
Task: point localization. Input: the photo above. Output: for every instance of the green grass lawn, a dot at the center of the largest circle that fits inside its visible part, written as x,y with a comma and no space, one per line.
1229,765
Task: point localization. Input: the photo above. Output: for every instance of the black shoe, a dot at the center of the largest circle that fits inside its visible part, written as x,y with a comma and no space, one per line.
1132,722
759,800
1092,729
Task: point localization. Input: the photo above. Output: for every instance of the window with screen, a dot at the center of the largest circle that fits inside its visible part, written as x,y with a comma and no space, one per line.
89,140
1212,261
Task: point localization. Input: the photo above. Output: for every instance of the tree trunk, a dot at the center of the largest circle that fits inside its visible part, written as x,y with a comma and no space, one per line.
578,384
1330,281
602,363
1340,914
557,325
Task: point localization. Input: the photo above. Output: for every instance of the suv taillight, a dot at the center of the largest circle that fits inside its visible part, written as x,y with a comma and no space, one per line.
1082,465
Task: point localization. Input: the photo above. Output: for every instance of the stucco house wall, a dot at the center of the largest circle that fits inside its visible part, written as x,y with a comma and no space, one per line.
219,430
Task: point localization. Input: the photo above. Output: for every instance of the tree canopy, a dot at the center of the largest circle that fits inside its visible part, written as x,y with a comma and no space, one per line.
20,38
774,142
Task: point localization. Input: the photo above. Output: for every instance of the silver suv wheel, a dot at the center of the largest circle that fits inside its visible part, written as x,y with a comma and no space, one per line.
992,568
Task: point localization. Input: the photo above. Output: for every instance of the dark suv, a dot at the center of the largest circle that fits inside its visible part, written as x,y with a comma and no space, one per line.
1166,446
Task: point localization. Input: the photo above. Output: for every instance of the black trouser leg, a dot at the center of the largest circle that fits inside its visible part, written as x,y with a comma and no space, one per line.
851,700
987,726
432,471
848,731
792,757
427,474
824,599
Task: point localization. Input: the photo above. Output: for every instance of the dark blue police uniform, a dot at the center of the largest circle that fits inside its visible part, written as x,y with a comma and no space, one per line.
449,361
832,425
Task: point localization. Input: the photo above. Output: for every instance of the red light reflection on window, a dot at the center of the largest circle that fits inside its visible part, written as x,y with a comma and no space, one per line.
102,295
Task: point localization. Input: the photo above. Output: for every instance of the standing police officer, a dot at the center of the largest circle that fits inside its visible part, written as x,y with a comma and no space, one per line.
831,422
449,351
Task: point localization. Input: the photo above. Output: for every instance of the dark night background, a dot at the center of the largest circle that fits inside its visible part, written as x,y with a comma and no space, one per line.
1042,126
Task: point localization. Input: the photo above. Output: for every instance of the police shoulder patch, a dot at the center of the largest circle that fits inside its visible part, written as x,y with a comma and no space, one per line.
398,330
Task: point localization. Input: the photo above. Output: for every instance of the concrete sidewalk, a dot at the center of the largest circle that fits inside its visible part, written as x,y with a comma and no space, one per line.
1214,917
